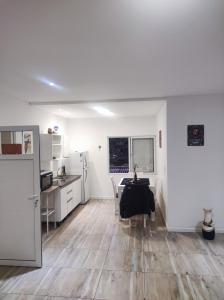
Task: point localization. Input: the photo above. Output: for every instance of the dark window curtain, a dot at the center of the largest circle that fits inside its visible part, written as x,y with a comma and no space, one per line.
119,155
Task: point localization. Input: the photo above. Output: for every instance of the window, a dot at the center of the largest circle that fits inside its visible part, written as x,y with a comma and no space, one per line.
119,155
127,152
142,152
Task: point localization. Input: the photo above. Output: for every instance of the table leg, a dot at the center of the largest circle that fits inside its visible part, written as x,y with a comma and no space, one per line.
116,206
47,216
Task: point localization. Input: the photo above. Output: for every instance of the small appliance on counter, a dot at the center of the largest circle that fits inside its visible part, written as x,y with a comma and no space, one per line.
46,179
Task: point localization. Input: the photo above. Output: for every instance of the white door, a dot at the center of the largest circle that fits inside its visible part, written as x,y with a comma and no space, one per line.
20,222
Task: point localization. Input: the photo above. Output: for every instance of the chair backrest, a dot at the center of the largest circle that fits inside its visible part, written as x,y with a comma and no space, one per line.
114,186
136,199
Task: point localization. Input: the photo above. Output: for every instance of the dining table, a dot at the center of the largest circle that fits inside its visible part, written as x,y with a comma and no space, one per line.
124,181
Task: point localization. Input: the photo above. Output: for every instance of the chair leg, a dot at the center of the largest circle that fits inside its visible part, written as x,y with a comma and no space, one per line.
116,206
144,217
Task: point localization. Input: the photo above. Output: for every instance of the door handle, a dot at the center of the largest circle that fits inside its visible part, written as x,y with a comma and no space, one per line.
33,197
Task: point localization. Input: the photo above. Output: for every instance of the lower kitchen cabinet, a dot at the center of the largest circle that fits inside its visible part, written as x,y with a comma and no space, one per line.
76,192
67,199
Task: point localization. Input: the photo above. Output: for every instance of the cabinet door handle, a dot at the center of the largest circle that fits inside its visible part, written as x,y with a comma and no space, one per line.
69,200
69,192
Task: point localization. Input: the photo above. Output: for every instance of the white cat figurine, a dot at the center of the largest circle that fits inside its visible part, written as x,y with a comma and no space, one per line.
207,217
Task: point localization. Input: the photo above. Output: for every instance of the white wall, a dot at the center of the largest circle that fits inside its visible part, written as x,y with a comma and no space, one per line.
15,112
88,134
161,178
195,174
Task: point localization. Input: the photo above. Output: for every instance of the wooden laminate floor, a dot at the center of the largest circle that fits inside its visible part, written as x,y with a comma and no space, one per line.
94,256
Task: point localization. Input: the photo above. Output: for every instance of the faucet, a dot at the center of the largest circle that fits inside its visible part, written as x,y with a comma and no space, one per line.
59,175
62,172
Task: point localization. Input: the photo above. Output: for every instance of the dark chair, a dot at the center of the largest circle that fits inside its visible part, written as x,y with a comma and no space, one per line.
136,199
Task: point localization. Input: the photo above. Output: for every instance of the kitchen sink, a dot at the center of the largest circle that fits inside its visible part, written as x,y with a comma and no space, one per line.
62,177
55,182
60,181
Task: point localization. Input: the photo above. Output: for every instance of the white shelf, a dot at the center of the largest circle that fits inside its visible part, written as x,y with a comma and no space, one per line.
51,146
50,211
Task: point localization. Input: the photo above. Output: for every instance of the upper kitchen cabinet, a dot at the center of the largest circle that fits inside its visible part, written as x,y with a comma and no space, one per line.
51,147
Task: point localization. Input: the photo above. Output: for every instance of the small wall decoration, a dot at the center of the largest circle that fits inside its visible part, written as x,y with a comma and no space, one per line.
160,139
56,129
50,131
27,142
195,135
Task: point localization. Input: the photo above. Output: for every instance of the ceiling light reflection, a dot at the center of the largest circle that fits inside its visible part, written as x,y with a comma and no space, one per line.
63,113
50,83
103,111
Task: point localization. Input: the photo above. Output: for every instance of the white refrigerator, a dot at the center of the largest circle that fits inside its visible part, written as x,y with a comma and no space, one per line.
79,165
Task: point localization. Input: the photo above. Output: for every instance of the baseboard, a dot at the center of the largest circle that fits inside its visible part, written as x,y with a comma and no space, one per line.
101,198
181,229
190,229
219,230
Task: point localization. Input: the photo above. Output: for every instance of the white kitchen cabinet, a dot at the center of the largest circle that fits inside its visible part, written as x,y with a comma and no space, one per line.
77,192
67,199
51,147
70,199
63,204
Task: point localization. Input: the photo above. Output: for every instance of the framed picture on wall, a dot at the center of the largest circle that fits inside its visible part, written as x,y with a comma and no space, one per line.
160,139
195,135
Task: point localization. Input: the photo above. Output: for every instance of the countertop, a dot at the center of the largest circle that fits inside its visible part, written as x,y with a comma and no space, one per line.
62,182
50,189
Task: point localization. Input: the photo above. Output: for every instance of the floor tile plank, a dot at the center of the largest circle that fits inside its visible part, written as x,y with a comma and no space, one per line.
75,283
129,261
93,255
160,286
120,285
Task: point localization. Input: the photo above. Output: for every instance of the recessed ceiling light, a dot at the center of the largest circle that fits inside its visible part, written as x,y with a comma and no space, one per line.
103,111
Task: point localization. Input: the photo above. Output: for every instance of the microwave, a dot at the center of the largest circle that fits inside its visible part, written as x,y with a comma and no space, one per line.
46,180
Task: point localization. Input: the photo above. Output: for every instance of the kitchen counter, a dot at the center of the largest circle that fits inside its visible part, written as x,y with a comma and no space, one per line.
62,182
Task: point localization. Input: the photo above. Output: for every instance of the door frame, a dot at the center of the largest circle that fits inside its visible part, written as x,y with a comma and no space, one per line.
36,175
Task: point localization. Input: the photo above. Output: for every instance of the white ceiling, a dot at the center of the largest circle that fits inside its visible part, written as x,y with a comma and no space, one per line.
122,109
108,49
